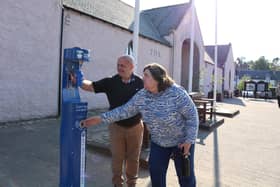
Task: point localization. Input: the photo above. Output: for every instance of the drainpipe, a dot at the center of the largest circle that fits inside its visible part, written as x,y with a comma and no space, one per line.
60,58
173,54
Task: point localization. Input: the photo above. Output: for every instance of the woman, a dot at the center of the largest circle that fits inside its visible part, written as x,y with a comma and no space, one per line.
171,117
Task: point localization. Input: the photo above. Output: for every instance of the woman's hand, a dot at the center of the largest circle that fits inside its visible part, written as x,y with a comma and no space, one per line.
95,120
186,147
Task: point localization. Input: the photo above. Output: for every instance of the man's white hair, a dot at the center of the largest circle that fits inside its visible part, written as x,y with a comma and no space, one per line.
129,58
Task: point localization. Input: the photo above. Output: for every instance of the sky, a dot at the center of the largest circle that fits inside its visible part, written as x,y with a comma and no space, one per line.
251,26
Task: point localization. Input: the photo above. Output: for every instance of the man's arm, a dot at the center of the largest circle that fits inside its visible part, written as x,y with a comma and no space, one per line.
87,86
78,78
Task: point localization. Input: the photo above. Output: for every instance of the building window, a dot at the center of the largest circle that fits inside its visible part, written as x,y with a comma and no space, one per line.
129,49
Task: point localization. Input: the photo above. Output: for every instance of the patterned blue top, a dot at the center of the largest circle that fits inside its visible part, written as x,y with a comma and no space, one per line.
170,115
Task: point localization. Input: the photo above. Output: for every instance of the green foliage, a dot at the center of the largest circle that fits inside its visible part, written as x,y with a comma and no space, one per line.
261,64
275,64
240,85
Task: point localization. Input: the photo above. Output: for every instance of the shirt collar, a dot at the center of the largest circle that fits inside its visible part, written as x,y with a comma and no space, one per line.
132,78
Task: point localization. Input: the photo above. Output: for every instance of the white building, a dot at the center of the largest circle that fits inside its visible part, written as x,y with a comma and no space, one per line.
34,33
226,67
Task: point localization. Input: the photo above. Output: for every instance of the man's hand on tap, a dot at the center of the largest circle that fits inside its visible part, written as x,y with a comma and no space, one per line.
77,78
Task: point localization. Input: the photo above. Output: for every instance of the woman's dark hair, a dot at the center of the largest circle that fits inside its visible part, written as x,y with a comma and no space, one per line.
159,73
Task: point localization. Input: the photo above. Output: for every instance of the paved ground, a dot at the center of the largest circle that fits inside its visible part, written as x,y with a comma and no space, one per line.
242,152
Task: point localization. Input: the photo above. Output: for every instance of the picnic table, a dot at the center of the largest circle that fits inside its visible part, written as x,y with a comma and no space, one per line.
204,106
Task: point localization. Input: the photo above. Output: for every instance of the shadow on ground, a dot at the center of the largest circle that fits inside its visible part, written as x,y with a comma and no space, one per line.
234,101
261,100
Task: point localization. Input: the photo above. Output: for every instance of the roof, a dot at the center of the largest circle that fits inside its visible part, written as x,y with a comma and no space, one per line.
223,51
208,59
154,23
112,11
260,74
166,19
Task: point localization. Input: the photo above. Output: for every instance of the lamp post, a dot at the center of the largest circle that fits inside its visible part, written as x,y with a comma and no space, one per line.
136,32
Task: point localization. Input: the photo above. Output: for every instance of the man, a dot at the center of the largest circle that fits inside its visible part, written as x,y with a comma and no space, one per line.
125,135
278,94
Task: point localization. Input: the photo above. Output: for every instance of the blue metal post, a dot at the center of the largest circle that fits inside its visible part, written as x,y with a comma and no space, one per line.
72,137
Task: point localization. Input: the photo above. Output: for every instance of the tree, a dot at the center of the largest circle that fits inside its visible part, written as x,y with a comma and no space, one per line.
275,65
261,64
276,60
240,85
250,64
241,60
